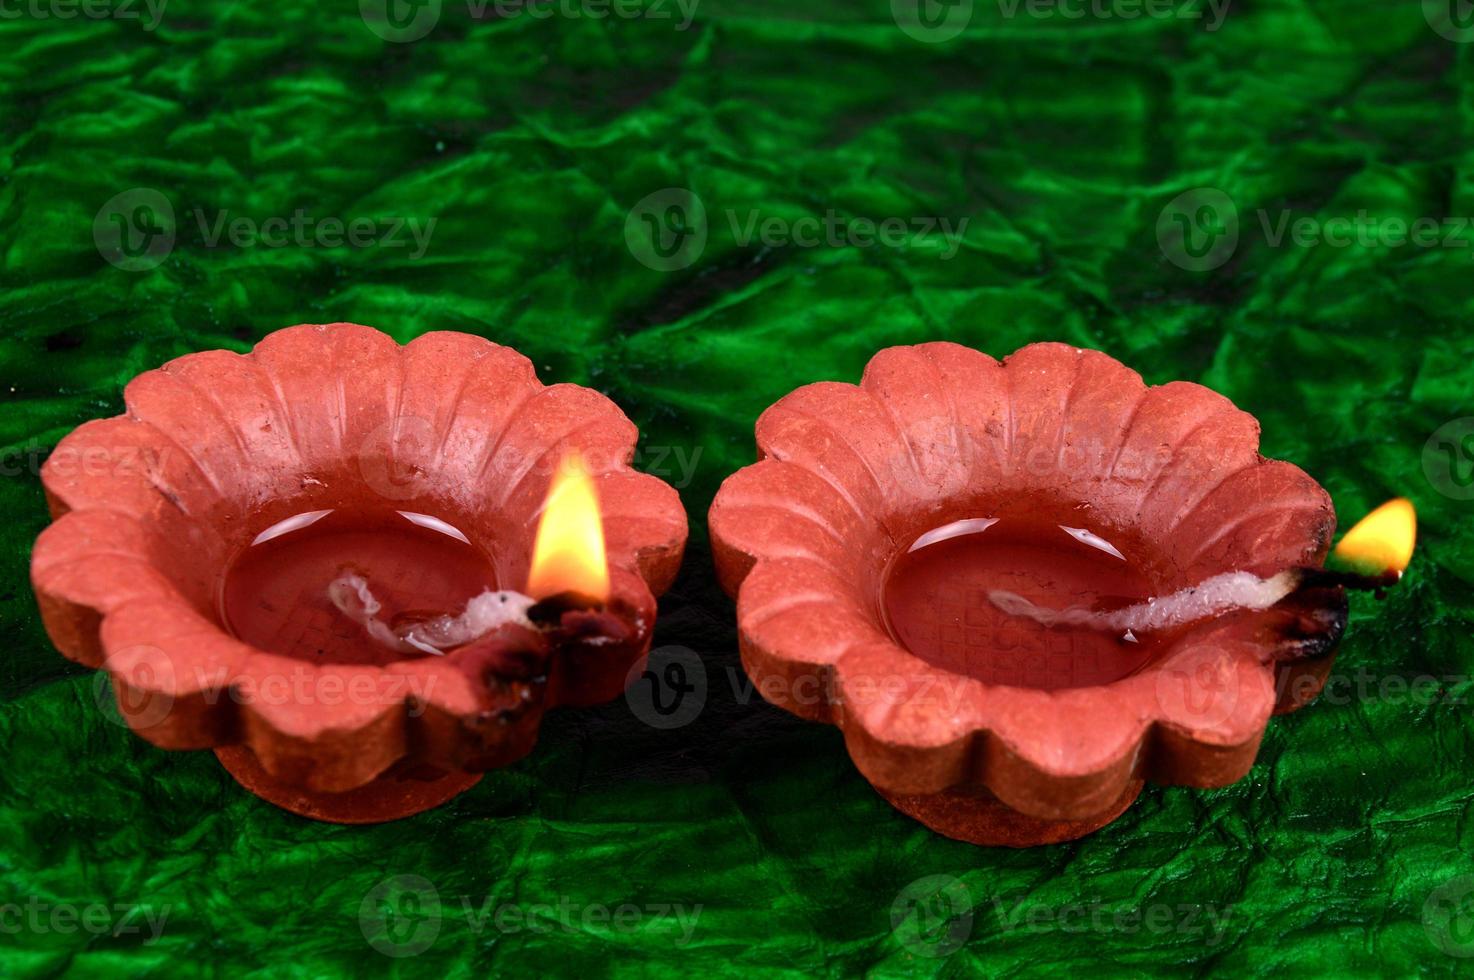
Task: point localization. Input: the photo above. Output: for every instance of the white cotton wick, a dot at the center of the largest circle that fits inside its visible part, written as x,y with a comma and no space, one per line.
1210,597
486,612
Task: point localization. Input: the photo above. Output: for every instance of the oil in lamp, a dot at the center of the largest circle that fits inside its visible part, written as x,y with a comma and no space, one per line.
322,563
1023,587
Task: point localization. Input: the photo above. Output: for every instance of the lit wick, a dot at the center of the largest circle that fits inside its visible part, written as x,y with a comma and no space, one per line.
569,571
569,568
1379,547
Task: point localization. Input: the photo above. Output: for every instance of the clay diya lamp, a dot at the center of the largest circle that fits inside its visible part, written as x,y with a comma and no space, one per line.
1022,588
312,558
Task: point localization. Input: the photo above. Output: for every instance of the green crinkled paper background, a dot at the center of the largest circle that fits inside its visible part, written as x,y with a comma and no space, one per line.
529,139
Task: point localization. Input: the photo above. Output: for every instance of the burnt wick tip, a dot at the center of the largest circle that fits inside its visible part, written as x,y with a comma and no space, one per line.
548,611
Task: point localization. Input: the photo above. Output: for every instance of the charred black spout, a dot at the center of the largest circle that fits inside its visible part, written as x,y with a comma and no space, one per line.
548,613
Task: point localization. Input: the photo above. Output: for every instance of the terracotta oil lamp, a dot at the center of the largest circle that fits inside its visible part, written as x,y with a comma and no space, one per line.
1022,588
318,559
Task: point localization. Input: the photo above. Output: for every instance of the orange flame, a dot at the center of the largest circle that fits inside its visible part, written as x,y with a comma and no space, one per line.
1383,540
568,555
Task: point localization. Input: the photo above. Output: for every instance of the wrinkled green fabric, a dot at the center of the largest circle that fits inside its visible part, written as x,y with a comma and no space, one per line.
529,139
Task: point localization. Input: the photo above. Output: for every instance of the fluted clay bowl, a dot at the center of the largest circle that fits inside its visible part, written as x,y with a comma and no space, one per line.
427,465
985,728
